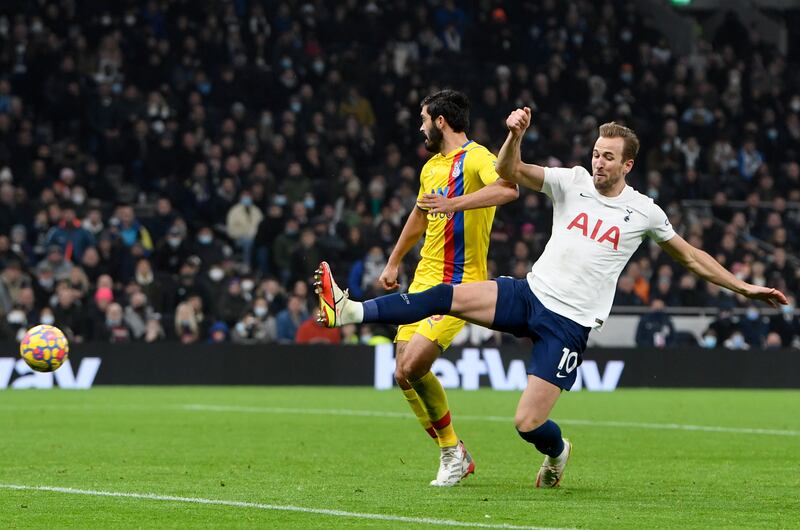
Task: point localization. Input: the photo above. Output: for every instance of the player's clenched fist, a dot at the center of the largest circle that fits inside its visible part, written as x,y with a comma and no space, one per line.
388,278
519,120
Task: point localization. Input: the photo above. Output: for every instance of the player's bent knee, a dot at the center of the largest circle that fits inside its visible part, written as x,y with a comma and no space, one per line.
411,368
405,371
528,421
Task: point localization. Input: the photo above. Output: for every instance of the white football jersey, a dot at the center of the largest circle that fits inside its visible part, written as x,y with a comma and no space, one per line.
592,240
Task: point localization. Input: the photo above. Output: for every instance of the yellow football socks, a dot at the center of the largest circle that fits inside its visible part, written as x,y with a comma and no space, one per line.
419,412
431,395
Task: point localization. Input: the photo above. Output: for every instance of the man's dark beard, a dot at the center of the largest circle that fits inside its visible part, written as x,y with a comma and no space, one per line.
434,143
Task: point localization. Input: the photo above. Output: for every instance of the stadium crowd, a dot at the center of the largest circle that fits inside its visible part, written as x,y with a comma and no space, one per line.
174,170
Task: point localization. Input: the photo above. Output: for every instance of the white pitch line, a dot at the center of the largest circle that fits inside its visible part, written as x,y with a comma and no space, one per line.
502,419
272,507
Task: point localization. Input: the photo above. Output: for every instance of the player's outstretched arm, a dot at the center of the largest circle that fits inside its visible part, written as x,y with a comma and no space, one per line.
415,226
702,264
495,194
509,162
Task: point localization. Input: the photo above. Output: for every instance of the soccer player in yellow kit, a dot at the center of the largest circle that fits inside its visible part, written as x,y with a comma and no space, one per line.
461,175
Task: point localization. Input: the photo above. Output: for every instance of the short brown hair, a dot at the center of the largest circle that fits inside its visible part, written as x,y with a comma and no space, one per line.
630,146
452,105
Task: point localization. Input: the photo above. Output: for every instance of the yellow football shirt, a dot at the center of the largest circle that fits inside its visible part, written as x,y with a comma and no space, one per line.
456,244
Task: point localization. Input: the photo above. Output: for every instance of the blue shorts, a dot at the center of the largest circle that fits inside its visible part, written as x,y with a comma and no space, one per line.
558,342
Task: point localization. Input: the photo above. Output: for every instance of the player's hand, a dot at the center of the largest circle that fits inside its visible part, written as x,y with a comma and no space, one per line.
766,294
519,121
388,278
435,203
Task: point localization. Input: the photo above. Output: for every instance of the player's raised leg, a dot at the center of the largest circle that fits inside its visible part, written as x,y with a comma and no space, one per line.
533,425
473,302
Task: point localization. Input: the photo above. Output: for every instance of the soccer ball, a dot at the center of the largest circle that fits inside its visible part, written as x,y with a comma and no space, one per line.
44,348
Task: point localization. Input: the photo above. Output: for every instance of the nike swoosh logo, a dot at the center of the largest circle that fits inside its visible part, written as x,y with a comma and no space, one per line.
560,375
584,195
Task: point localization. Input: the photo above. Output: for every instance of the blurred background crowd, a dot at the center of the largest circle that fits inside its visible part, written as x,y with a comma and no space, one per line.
176,170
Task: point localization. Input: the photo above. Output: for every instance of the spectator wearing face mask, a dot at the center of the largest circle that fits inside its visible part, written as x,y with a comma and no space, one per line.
207,247
709,339
266,326
248,289
754,327
214,284
14,325
736,342
242,224
115,329
257,326
172,251
46,317
45,284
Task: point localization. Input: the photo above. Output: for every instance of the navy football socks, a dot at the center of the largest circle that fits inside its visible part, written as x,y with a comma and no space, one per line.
546,437
409,308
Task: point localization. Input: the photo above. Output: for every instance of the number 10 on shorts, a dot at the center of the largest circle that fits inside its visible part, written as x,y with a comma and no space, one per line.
569,360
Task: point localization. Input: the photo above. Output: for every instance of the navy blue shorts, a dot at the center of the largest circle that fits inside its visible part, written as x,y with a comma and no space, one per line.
558,342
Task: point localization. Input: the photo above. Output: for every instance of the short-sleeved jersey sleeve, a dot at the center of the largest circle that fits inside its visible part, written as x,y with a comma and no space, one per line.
485,165
556,181
659,228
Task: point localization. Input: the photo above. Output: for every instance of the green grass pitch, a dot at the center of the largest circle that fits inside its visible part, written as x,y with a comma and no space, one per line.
643,459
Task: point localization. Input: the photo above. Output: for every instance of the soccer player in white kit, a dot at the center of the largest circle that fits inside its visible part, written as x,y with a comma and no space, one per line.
598,223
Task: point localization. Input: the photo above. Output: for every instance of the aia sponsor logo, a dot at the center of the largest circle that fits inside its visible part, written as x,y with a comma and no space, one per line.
596,232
